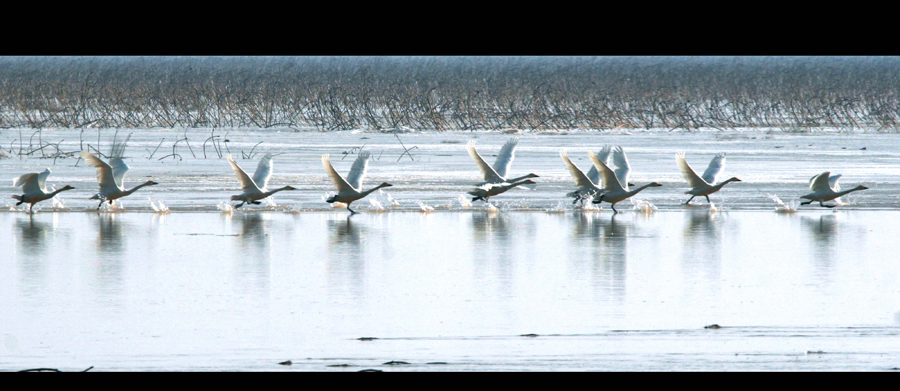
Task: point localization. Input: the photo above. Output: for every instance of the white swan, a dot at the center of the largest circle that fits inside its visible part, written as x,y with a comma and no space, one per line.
350,190
489,190
703,185
825,188
497,173
255,188
111,176
34,189
612,183
587,186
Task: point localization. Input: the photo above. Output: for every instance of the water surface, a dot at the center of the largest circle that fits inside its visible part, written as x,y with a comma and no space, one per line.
814,290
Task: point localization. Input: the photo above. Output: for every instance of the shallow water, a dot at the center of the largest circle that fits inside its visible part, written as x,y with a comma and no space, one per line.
814,290
768,162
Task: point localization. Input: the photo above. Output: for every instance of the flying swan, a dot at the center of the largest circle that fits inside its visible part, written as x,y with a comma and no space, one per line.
111,176
497,173
825,188
613,180
34,189
703,185
350,190
255,188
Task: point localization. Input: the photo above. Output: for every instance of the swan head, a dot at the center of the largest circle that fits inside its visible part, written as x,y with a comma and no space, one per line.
529,181
861,187
735,179
655,184
385,184
289,188
67,187
532,176
151,183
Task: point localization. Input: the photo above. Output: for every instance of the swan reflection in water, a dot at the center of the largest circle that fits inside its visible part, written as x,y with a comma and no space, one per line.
601,244
701,253
32,241
253,272
824,232
347,259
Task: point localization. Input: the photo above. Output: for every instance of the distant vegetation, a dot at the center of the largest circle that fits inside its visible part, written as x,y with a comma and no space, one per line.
473,93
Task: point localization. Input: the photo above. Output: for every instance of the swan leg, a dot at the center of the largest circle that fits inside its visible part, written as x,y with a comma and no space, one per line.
689,200
806,203
31,209
707,199
22,200
826,206
352,212
256,202
613,206
477,198
239,205
101,203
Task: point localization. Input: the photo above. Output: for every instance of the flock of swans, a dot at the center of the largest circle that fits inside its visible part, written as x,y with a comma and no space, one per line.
606,181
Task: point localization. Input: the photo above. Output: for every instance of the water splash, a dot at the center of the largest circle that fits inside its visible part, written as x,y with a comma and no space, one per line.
643,206
781,207
58,202
158,206
376,205
225,207
560,208
464,202
269,201
425,208
387,198
491,209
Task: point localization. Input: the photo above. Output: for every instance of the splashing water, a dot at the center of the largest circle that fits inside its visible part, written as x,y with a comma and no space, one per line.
491,209
425,208
387,198
269,201
560,208
464,202
376,205
58,202
225,207
158,206
589,206
781,207
643,206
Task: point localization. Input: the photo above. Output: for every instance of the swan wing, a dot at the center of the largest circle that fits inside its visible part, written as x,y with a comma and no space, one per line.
603,155
622,166
358,170
688,173
581,180
104,172
338,180
610,182
29,183
263,171
715,168
490,175
118,149
819,182
505,157
833,182
42,179
247,183
119,168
